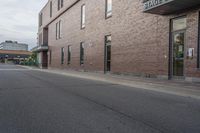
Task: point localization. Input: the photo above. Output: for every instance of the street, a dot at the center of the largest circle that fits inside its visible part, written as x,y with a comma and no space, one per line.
37,102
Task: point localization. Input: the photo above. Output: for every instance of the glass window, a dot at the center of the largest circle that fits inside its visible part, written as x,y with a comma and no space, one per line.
69,54
59,30
81,53
62,55
62,3
108,8
51,9
58,5
108,40
179,24
40,19
40,39
83,16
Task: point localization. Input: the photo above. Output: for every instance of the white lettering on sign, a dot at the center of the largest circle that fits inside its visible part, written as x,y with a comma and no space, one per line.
154,3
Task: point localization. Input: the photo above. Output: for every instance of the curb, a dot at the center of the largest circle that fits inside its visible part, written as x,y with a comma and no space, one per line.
169,89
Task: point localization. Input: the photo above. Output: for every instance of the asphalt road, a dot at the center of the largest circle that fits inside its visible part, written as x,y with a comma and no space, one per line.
39,102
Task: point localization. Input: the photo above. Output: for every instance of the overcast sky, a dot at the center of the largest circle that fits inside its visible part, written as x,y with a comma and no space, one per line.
19,20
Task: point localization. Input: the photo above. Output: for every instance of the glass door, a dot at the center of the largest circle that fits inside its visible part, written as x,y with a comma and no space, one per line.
177,47
108,53
178,53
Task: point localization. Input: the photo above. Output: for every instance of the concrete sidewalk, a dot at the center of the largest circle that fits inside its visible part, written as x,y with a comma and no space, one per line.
181,88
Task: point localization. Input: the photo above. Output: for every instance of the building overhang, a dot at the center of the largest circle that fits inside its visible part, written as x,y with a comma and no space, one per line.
40,49
165,7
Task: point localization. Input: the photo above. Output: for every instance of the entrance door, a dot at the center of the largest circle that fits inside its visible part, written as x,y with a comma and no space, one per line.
107,53
178,53
44,59
177,46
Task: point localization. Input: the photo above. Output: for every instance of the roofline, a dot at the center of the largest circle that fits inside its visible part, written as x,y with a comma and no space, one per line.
44,7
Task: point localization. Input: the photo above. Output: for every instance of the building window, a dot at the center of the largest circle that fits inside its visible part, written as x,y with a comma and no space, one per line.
60,4
82,16
82,53
59,30
107,57
108,8
56,31
69,54
51,9
40,39
62,55
40,19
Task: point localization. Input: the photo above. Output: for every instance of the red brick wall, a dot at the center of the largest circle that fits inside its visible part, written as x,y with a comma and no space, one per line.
140,41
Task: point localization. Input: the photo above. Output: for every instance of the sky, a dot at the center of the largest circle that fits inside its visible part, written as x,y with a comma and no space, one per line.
19,20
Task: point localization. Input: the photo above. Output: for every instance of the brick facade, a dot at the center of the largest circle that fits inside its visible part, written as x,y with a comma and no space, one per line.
140,41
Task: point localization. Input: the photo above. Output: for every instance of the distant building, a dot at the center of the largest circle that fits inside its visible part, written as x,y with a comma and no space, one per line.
13,45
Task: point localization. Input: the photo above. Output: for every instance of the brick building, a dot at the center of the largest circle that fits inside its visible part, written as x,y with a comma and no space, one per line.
150,38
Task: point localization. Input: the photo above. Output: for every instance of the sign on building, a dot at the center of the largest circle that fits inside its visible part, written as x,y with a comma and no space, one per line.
154,3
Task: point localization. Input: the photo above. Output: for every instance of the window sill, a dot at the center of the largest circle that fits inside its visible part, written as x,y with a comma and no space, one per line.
82,28
107,17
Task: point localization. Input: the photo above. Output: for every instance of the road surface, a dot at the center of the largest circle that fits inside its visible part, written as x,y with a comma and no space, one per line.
37,102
